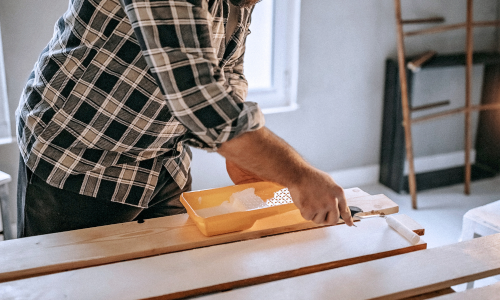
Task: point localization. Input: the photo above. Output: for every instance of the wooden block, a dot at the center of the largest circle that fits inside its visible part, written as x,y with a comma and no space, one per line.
70,250
395,277
354,193
490,292
222,267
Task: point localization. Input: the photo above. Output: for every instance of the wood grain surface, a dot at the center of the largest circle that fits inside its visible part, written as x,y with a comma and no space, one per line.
395,277
70,250
489,292
221,267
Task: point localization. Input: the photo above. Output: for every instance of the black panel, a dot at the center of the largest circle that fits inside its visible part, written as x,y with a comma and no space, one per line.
393,152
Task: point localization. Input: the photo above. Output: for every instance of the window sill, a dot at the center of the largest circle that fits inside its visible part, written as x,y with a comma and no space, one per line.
280,109
7,140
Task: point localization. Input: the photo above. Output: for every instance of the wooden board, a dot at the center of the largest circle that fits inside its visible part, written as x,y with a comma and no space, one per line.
432,295
221,267
354,193
52,253
490,292
395,277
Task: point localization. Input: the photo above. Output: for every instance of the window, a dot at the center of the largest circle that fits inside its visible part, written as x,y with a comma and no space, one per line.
5,135
271,58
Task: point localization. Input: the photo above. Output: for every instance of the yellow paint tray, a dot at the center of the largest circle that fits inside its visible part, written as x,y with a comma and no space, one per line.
270,192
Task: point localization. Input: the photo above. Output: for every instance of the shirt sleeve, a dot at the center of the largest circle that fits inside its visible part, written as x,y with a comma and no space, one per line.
175,39
236,81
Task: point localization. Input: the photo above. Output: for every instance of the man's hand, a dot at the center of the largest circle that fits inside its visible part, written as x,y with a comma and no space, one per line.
267,156
320,199
239,175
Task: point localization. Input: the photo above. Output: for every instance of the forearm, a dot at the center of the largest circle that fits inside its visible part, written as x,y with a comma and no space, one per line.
314,192
268,156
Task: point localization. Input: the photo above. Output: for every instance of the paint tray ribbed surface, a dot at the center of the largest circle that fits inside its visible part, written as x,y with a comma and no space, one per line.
237,207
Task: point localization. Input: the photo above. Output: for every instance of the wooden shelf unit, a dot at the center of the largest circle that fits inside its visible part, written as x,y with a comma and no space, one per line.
392,157
403,74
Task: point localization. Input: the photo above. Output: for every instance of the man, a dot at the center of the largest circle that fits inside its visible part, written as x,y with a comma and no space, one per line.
117,95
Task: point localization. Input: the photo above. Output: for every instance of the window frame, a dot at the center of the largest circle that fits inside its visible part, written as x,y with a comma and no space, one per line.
5,128
282,96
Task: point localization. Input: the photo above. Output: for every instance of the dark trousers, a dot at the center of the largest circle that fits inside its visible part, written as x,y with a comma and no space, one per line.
43,209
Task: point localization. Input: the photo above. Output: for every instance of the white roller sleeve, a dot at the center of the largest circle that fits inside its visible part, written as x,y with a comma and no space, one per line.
403,230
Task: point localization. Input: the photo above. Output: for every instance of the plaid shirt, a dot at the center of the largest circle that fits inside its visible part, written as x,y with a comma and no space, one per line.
122,87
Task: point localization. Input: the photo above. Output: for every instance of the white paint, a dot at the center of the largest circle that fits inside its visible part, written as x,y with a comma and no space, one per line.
240,201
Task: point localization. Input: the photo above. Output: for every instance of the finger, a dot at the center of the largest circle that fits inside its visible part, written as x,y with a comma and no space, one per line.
306,215
332,218
319,218
344,210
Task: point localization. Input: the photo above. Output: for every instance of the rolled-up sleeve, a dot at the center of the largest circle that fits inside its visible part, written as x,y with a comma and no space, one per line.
175,39
235,77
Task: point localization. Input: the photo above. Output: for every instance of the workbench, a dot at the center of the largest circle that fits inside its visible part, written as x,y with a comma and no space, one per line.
280,257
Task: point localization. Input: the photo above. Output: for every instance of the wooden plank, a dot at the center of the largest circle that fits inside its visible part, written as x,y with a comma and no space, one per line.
222,267
354,193
436,29
417,63
490,292
395,277
425,20
430,105
405,104
26,257
432,295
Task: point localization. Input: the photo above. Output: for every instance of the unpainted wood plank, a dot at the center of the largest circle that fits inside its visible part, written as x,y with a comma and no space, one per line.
354,193
222,267
489,292
395,277
432,295
70,250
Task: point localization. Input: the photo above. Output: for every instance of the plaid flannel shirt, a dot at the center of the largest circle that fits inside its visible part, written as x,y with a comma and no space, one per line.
123,85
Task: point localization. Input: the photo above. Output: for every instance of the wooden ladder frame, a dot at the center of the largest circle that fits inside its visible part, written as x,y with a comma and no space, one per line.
467,109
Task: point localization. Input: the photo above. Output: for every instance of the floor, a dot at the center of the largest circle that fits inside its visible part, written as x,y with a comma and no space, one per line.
440,211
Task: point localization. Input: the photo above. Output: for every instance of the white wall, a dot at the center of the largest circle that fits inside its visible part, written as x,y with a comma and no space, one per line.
344,44
343,48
